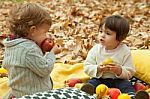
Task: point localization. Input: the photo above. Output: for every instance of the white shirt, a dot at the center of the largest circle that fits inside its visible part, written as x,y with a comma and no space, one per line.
121,55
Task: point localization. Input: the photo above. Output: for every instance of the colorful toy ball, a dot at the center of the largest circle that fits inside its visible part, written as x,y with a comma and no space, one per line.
124,96
101,90
114,93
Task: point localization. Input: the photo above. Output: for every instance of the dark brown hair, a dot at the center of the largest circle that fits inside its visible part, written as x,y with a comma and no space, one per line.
23,16
117,24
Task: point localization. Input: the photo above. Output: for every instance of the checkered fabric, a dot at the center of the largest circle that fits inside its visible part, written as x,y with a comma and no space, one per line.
134,79
68,93
63,93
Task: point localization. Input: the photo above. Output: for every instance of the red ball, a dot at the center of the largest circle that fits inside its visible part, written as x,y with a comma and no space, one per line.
71,82
114,93
139,86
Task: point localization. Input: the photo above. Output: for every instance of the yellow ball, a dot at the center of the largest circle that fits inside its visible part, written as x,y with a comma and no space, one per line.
101,89
124,96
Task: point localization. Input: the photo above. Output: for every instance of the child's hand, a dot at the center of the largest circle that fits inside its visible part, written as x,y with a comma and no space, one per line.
114,68
110,68
3,75
102,68
56,49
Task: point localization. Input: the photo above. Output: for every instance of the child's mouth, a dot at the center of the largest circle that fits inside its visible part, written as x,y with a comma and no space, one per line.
101,40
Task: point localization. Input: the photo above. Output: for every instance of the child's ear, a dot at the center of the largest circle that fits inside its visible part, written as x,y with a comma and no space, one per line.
32,29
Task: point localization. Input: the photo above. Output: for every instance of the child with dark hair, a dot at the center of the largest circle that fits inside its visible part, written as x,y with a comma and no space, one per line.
28,65
116,74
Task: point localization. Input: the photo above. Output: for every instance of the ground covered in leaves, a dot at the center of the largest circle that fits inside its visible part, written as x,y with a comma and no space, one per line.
76,22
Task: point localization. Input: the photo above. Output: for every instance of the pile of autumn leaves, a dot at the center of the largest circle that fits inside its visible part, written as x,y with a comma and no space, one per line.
75,24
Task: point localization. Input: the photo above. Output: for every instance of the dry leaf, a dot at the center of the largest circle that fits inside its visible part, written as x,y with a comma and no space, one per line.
76,23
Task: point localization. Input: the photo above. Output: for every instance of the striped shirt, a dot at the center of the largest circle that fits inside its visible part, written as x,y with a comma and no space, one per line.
28,68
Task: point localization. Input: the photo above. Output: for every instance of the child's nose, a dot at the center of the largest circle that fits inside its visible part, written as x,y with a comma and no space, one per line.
102,34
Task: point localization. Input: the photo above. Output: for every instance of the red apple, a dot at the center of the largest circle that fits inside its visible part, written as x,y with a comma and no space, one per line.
47,45
139,86
114,93
71,82
11,36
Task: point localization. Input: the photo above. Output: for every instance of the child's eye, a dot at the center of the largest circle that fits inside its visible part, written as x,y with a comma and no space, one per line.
108,33
100,31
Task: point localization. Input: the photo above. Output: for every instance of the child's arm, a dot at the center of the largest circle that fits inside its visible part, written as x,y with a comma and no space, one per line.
39,64
90,64
124,71
128,68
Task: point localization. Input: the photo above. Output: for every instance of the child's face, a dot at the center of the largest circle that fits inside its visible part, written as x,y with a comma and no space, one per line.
38,33
107,38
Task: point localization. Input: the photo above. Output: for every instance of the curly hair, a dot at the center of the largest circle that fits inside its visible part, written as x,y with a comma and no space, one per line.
22,17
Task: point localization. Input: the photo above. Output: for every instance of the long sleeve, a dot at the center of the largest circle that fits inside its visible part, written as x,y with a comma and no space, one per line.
128,68
40,65
90,64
